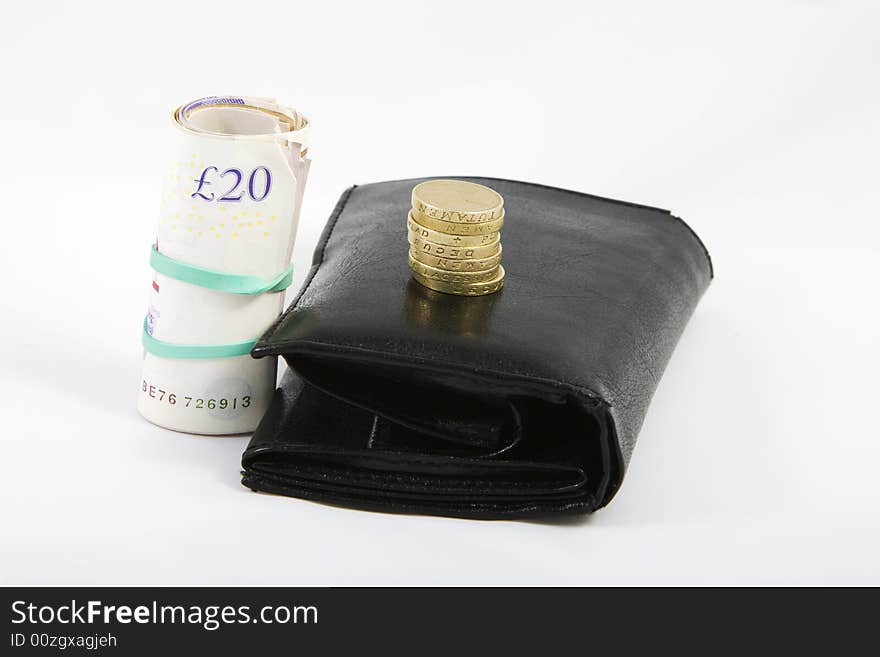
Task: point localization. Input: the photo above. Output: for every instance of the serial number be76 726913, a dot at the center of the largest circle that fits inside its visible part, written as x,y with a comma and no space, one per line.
171,398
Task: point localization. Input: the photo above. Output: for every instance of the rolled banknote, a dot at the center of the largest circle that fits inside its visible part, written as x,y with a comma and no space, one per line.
230,208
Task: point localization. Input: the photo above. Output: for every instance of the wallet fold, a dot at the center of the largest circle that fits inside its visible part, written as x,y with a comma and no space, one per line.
525,402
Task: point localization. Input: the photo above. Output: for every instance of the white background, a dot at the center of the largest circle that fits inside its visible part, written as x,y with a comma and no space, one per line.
757,122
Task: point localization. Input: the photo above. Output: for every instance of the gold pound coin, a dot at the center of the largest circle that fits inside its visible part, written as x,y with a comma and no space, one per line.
451,264
463,289
457,201
457,227
454,252
446,276
435,236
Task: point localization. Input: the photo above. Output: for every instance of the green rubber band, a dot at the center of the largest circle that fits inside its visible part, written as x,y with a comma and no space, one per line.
215,280
202,351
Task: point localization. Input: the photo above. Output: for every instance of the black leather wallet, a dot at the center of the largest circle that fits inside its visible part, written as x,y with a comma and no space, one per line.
526,402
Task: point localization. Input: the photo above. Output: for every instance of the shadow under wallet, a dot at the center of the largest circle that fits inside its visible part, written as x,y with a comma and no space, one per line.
522,403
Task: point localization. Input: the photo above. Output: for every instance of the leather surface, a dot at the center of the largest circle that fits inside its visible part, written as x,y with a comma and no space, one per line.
521,403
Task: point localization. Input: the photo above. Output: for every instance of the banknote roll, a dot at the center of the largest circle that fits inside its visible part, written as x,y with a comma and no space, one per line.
230,206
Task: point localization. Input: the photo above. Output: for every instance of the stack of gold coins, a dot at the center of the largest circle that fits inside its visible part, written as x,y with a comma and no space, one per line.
454,233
